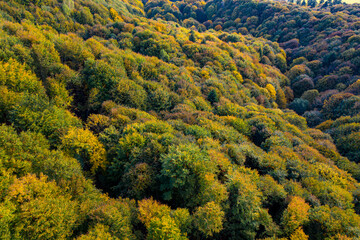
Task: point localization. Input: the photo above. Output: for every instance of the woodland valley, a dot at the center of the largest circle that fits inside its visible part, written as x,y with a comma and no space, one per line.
175,120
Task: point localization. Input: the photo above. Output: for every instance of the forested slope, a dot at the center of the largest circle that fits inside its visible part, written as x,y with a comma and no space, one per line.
116,124
322,43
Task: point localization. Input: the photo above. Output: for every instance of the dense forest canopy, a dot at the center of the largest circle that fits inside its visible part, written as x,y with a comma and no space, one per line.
191,119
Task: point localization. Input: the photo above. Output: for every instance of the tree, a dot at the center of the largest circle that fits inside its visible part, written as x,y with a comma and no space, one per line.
310,95
99,231
164,55
328,222
116,215
84,16
280,62
244,207
102,79
301,84
299,105
7,213
192,36
298,70
43,210
164,228
262,127
86,148
299,235
130,94
150,209
213,97
209,218
159,99
160,221
16,78
34,111
270,88
313,118
341,104
183,174
296,214
348,146
45,57
218,27
98,123
281,99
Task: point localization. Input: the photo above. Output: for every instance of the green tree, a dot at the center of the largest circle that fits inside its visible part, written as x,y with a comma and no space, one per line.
299,105
116,215
244,207
131,94
213,97
183,172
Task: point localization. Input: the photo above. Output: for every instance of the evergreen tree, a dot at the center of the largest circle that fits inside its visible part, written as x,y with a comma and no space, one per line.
213,97
192,36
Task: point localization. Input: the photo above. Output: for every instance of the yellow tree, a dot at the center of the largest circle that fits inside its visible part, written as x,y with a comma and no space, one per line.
149,209
83,145
164,228
43,210
99,232
299,235
209,218
296,214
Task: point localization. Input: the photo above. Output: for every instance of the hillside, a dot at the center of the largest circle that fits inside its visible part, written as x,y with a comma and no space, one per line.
322,44
175,120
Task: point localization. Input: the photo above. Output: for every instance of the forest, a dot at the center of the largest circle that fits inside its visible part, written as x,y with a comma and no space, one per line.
175,120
